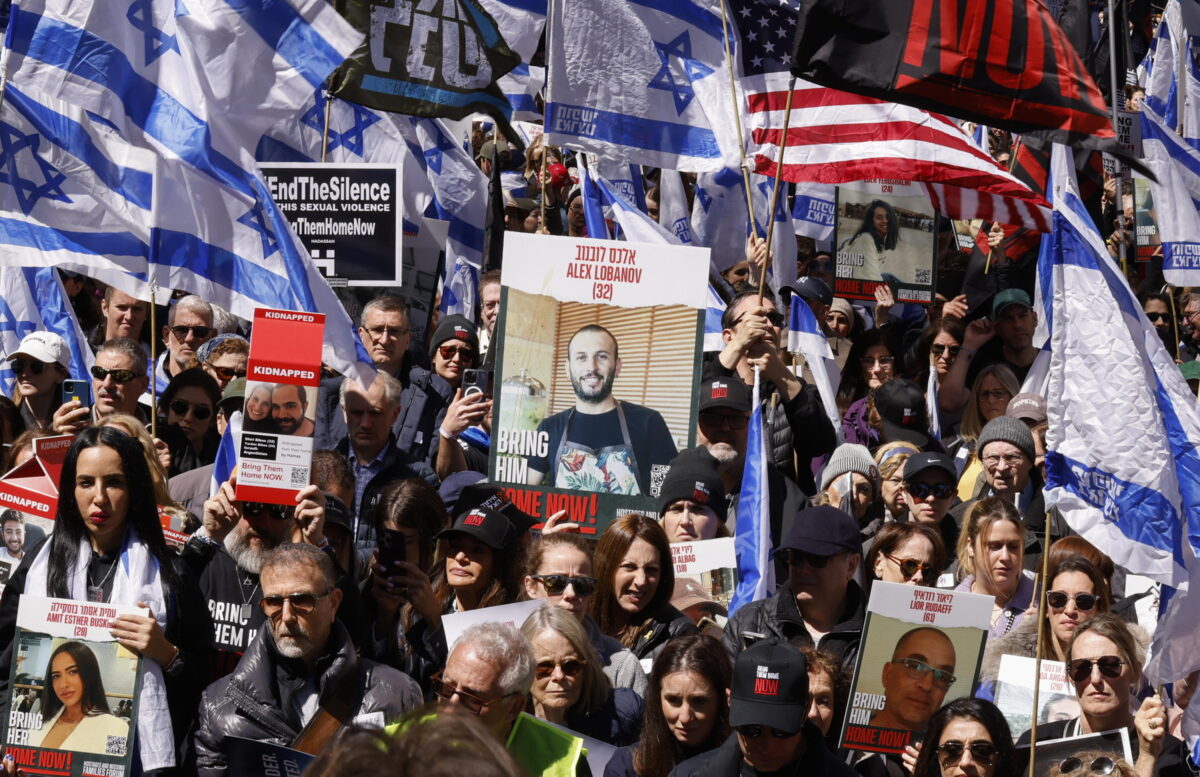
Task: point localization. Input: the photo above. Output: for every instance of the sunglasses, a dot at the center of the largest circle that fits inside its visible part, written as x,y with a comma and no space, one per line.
982,752
472,703
555,585
118,376
572,667
302,604
917,669
795,558
181,332
1081,668
227,373
937,349
448,352
181,408
921,490
33,365
1102,765
1157,316
882,361
909,566
754,732
1059,599
278,512
731,421
774,317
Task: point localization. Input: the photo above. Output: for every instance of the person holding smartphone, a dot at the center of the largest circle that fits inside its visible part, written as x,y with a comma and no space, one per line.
40,365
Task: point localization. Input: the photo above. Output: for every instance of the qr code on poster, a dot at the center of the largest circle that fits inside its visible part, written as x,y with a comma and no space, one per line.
299,477
114,745
658,473
924,275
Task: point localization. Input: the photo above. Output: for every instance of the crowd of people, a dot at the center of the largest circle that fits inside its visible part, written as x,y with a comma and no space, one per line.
266,622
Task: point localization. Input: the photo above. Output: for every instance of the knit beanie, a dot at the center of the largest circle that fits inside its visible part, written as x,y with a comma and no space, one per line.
849,457
1010,430
693,475
453,328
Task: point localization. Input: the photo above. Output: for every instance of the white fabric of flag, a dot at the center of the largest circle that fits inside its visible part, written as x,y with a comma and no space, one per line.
520,23
1159,73
636,226
673,211
805,337
1121,461
520,87
643,81
33,299
813,210
714,311
719,218
1174,206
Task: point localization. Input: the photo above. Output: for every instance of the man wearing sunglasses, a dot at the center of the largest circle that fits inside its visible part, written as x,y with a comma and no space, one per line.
768,711
930,492
189,326
119,378
915,681
303,663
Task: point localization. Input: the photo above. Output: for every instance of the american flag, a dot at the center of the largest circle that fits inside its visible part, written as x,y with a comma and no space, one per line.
838,137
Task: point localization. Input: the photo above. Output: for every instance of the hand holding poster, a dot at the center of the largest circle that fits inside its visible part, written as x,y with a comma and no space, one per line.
73,690
924,652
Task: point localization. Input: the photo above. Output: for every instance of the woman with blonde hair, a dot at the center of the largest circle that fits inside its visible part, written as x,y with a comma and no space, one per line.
990,394
890,459
991,549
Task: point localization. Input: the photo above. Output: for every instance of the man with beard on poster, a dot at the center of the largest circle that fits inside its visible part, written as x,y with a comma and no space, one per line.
602,443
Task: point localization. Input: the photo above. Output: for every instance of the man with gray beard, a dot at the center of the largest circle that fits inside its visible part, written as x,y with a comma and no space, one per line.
227,555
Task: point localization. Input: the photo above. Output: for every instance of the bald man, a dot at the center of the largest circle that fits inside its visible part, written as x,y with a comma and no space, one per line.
916,679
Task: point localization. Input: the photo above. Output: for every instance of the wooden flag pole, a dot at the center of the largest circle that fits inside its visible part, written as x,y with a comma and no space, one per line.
1169,290
787,119
1041,639
737,116
154,335
325,133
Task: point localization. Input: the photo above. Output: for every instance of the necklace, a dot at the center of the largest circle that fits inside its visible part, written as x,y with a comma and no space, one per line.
245,609
96,591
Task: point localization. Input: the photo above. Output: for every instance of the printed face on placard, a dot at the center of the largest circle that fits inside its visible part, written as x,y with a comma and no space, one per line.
280,408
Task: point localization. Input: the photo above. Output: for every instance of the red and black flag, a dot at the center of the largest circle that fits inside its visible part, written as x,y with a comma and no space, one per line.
1003,63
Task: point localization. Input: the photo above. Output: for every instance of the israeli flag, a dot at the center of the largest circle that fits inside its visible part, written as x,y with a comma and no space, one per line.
806,338
520,87
635,225
782,270
1121,460
719,218
641,81
813,210
33,299
226,459
520,23
673,211
714,311
1174,206
1159,71
625,179
752,540
593,209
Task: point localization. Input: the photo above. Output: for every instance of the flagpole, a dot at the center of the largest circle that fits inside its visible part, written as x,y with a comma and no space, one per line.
737,117
1170,291
787,119
1112,62
325,132
1041,639
153,358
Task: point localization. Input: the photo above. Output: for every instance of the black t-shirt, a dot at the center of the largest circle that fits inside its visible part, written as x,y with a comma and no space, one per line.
652,444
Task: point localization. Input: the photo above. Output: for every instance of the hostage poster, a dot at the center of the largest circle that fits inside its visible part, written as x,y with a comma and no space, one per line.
886,234
598,367
73,690
921,648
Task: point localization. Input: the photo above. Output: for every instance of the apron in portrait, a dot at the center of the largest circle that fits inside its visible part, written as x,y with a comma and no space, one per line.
612,469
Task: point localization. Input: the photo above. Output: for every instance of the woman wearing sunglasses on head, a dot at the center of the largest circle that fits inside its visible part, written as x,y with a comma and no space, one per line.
909,553
187,422
967,738
560,571
687,712
1104,661
108,546
569,687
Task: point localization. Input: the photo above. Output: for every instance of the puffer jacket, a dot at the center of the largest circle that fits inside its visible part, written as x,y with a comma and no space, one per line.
726,761
243,704
667,624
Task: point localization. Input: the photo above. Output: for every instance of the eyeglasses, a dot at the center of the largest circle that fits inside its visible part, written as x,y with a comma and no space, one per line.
995,394
181,408
982,752
278,512
754,732
448,352
555,585
199,332
731,421
1102,765
302,604
1157,316
474,704
882,361
1011,459
923,491
1059,599
1081,668
33,365
795,558
909,566
1188,315
224,373
937,349
774,317
118,376
917,669
394,332
572,667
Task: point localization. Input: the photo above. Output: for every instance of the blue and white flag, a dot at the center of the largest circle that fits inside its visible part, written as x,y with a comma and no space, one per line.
752,539
625,179
521,86
719,217
643,81
520,22
1174,206
1159,72
931,404
593,208
806,338
813,210
782,270
226,453
673,211
635,225
33,299
1121,461
714,312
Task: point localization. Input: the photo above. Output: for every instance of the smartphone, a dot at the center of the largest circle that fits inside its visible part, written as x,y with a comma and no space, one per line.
77,389
477,382
393,547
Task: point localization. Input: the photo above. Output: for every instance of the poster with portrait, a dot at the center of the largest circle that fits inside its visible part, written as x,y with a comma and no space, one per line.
73,690
1145,230
280,409
921,647
1014,692
711,564
1054,751
597,372
886,234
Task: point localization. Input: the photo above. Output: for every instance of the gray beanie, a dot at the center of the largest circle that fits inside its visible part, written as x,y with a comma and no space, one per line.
1010,430
850,457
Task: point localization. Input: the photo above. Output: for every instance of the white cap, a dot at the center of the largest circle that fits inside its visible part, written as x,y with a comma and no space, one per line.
45,347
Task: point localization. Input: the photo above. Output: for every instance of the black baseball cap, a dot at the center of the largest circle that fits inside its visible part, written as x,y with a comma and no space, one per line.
489,496
823,531
728,392
919,462
901,406
336,513
808,287
490,527
770,687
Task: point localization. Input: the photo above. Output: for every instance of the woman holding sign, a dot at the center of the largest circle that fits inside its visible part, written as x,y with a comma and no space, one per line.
108,546
75,711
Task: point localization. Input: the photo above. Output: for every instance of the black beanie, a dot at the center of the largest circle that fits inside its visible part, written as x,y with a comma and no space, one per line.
693,475
454,328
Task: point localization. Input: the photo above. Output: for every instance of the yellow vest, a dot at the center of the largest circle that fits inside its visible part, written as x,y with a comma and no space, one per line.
541,749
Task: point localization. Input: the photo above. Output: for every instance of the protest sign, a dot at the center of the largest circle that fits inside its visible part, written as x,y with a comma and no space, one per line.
598,363
1055,751
73,691
921,648
1145,234
1014,692
32,487
455,623
279,418
885,234
711,563
251,758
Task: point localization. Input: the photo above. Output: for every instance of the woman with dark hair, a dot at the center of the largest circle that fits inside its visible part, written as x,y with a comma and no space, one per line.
874,359
937,349
75,712
108,546
687,712
967,738
864,250
911,553
635,579
188,407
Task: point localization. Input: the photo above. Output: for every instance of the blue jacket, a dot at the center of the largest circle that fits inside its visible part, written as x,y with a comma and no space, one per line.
617,722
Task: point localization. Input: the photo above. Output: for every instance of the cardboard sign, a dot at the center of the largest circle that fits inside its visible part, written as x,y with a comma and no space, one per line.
54,635
251,758
279,415
693,558
886,233
1014,692
456,623
1145,235
32,487
598,366
347,215
921,647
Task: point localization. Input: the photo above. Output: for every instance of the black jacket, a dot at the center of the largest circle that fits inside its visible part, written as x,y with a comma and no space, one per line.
246,703
779,617
618,721
726,760
667,624
397,465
